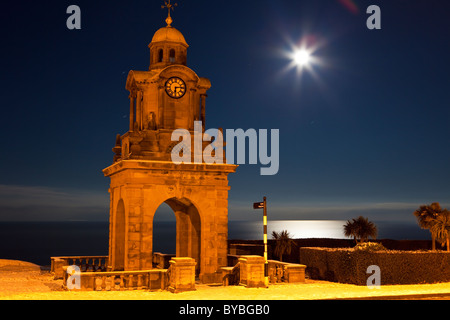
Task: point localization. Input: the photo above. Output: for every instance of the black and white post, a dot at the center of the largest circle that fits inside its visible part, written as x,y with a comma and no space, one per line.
263,205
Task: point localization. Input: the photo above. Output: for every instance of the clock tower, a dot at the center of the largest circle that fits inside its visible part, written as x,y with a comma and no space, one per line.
166,97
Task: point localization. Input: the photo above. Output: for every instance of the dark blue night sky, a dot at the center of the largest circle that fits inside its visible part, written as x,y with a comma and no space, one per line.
365,133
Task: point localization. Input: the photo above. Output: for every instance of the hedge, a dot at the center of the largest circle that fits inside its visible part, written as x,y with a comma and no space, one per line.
397,267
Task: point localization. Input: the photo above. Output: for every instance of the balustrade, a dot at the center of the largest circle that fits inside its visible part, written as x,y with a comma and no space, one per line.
85,263
121,280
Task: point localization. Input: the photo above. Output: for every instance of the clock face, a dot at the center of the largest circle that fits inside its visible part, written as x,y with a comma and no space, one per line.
175,88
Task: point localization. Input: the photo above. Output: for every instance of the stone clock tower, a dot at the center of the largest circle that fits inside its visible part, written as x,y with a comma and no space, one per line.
167,97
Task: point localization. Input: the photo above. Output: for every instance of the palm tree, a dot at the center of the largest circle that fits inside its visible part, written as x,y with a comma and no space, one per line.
440,227
425,215
360,228
350,230
366,229
284,243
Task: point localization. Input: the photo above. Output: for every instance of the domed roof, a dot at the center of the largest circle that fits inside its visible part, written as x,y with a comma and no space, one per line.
169,33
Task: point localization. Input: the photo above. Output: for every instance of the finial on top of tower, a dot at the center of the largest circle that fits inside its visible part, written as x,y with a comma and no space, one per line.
169,7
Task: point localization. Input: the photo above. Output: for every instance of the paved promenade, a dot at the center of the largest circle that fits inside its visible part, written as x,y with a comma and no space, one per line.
25,281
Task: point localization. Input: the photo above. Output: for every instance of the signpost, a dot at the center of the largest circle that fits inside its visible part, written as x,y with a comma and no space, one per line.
263,205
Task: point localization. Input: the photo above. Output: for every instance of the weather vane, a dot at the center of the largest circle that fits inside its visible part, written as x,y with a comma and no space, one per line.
169,7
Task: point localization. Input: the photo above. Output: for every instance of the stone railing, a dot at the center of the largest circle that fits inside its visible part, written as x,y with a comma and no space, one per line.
231,275
232,260
178,277
286,272
161,260
156,279
85,263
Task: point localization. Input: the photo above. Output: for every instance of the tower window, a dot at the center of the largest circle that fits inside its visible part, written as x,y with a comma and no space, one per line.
172,55
160,55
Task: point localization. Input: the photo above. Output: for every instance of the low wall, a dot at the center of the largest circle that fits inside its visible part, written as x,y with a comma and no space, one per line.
156,279
397,267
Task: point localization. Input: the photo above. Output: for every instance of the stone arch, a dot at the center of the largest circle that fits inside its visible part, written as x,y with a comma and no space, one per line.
177,70
119,237
197,193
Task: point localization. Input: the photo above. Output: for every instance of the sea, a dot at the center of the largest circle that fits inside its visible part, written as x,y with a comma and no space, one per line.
36,242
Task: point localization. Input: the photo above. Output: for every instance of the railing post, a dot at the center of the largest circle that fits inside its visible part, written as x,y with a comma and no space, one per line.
182,275
57,267
130,282
122,284
252,271
98,283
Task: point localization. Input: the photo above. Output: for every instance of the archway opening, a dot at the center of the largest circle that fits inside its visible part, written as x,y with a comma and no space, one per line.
164,230
187,235
172,55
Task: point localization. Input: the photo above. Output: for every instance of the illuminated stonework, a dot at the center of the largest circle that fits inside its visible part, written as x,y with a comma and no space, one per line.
143,175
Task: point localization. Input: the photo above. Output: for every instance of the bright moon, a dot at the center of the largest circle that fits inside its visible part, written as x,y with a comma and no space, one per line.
302,57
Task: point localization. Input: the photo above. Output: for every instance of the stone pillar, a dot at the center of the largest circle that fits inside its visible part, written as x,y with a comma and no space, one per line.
57,267
203,111
139,109
295,273
197,107
182,234
252,271
192,109
160,117
182,275
132,112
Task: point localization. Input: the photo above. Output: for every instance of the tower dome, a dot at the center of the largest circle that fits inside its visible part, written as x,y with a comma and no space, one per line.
169,34
168,47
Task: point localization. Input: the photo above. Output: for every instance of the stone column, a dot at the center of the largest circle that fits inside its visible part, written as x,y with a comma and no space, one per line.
203,111
192,115
160,116
182,247
139,109
132,98
196,107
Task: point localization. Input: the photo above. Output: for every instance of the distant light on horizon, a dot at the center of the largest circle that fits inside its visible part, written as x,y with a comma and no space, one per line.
332,229
298,229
